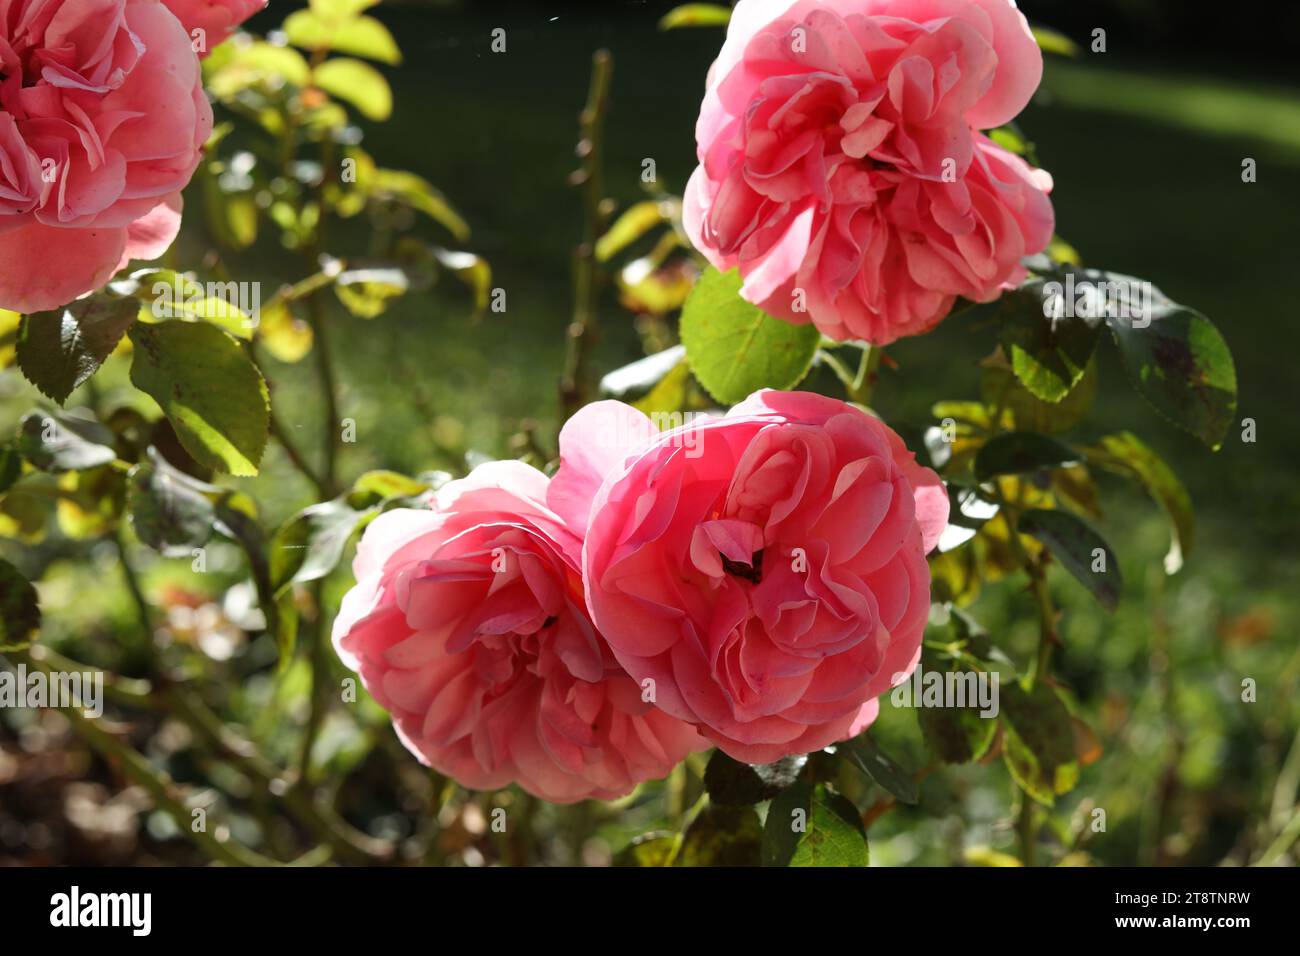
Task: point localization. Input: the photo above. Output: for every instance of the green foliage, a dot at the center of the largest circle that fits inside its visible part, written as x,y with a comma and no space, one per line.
735,348
1038,741
215,398
20,613
1080,549
731,783
696,15
812,825
1020,453
64,443
1128,455
359,84
60,350
722,836
865,754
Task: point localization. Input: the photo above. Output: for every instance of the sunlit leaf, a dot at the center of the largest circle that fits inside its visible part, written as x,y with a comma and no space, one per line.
205,384
696,15
415,191
357,83
1051,41
812,825
1128,455
735,348
631,225
360,36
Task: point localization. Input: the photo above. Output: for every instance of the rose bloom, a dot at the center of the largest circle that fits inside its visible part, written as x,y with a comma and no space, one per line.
216,18
467,623
765,569
840,170
102,122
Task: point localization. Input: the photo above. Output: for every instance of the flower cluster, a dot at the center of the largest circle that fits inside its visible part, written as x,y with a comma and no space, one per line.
752,581
842,170
103,119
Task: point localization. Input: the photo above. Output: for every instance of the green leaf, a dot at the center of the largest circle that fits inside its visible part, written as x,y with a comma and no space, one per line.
649,849
735,348
956,735
418,193
634,223
171,511
90,502
696,15
173,295
1182,366
20,612
1050,41
866,755
361,36
285,336
1038,741
1000,388
1075,545
336,10
63,443
205,384
812,825
1048,355
59,350
310,545
1126,454
733,784
357,83
1018,453
234,68
381,485
366,292
722,836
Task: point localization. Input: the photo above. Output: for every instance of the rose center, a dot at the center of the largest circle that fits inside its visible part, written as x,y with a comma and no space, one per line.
752,572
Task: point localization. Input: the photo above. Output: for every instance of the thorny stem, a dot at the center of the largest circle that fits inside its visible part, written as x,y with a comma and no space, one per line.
581,332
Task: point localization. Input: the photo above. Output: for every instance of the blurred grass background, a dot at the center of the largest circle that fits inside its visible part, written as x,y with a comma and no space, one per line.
1145,143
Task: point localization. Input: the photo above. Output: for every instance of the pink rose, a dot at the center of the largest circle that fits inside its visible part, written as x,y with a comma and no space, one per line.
102,121
216,18
765,569
467,624
840,170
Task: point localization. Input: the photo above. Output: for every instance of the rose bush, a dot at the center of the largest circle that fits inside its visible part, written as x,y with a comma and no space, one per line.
765,569
102,123
468,624
840,167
